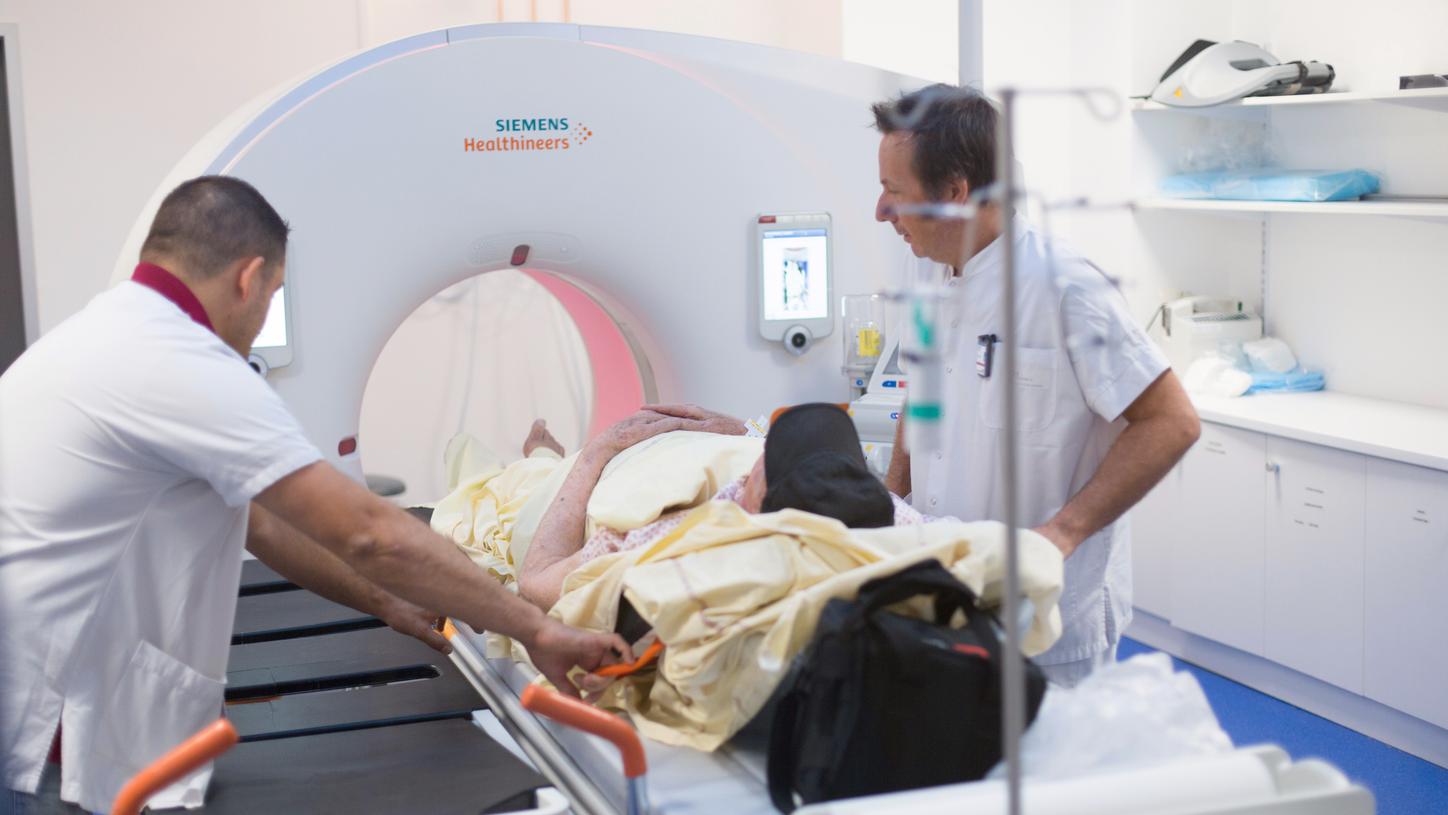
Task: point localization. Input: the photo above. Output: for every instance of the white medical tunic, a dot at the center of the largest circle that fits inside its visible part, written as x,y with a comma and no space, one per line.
1081,361
132,440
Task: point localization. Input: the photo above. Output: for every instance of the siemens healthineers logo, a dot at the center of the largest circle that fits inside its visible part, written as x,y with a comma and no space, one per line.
535,135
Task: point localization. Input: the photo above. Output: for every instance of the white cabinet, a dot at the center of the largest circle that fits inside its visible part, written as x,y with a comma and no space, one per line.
1314,559
1156,523
1407,589
1217,576
1328,562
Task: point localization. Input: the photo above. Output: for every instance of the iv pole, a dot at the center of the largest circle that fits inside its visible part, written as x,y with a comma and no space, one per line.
970,68
1013,719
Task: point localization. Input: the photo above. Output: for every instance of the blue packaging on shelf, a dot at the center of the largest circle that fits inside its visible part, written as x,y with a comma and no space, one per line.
1273,185
1297,380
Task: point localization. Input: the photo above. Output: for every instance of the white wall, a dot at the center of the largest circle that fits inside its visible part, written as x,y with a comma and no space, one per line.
1362,298
116,92
916,38
1369,45
1067,151
812,26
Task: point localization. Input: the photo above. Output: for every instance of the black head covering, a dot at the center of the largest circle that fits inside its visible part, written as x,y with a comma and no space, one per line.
813,462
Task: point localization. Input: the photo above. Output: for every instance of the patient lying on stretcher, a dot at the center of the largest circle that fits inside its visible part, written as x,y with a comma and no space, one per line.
725,547
540,518
812,462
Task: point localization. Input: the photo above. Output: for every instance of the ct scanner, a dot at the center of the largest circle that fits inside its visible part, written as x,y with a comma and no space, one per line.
675,146
628,171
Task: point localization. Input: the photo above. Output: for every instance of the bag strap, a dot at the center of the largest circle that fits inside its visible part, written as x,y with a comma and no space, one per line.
781,757
984,625
930,577
927,577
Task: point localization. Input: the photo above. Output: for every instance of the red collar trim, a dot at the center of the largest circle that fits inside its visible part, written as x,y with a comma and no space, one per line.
170,287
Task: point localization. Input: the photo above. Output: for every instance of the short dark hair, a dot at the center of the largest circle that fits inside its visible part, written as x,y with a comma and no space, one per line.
212,221
833,485
813,462
953,130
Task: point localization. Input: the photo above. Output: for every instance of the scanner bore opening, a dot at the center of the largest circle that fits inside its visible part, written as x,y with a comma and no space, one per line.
486,356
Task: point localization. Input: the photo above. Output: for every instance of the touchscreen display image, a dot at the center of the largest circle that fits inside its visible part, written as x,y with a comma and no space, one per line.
274,330
795,280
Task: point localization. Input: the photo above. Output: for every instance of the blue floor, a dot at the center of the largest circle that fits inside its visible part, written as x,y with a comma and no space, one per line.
1403,784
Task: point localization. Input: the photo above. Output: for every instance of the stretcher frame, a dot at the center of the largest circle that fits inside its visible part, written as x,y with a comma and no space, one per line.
596,786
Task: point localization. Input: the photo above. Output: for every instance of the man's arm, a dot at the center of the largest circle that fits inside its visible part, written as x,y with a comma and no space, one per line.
1161,426
403,556
897,476
303,561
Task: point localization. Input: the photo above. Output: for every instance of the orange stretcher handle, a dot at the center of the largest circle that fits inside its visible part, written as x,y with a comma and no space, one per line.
213,740
650,654
590,719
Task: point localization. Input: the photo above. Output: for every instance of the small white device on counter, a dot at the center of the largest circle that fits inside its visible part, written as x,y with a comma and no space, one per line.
1197,325
796,283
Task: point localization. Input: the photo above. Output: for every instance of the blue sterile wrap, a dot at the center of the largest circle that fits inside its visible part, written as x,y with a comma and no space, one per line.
1273,185
1297,380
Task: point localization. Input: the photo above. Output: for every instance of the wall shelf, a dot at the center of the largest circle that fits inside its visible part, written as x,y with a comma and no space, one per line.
1423,97
1390,207
1396,431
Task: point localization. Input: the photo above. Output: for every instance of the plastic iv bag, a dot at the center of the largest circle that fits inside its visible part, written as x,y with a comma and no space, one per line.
923,343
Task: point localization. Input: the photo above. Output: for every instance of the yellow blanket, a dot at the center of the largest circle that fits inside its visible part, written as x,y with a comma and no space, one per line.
735,597
494,509
481,512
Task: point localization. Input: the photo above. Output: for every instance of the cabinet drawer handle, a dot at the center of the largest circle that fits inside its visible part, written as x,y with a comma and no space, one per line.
1274,467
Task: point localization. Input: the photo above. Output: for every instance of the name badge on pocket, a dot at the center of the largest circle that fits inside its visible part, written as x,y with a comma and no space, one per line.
984,354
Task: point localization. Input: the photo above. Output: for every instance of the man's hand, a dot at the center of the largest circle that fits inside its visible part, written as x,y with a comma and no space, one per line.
406,618
1160,427
897,475
1062,539
558,649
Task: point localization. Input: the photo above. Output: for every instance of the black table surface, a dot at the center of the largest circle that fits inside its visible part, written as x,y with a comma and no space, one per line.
264,615
255,573
331,654
355,720
444,695
445,767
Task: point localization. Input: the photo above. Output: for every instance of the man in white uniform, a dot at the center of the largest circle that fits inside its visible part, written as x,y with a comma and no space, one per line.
1100,417
135,446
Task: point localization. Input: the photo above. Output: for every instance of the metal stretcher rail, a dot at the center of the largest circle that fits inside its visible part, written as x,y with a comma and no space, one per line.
543,750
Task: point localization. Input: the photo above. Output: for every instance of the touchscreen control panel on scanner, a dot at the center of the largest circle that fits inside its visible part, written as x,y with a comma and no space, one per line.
273,348
796,283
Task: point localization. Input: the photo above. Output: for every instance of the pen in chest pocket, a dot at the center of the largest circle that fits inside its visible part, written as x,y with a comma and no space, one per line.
985,354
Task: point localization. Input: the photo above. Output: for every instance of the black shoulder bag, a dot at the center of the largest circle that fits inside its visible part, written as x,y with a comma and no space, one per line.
879,702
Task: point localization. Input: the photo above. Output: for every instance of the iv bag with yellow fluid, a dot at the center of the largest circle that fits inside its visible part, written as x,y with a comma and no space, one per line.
869,342
864,320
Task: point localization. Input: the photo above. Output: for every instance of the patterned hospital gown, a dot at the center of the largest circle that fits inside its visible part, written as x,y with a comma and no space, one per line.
607,541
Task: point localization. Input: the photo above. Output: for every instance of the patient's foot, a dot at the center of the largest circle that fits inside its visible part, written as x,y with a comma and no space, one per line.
538,436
